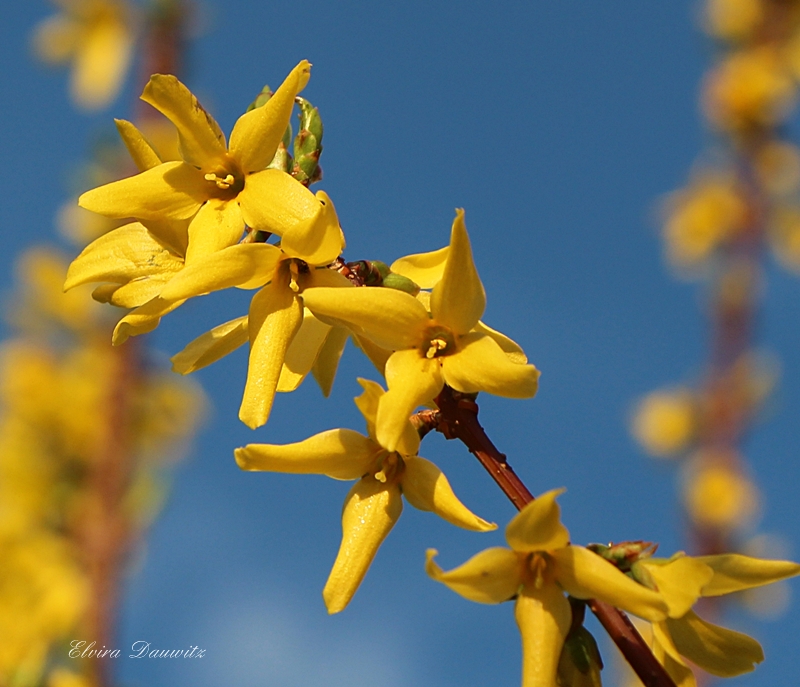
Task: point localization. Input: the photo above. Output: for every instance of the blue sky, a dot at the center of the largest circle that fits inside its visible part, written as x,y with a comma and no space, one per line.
558,127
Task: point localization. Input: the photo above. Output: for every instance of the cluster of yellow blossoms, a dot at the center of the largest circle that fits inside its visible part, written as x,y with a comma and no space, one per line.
720,226
237,214
747,96
63,419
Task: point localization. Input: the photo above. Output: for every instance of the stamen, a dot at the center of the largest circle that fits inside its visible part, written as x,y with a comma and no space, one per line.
294,273
435,346
221,183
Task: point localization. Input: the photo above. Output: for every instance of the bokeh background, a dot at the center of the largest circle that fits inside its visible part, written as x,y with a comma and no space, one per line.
559,127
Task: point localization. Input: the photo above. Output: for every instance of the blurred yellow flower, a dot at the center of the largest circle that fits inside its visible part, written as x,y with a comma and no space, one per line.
751,88
665,422
717,494
732,19
540,566
97,36
700,217
374,503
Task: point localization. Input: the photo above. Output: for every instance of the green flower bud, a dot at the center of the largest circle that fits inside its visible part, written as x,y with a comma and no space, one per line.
308,144
580,662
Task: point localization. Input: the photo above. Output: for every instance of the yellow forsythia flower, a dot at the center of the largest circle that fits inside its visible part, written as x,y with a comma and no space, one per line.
97,36
374,503
684,635
219,186
446,346
538,569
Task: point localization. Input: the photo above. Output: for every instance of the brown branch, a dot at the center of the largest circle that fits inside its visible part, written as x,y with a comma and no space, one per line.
459,420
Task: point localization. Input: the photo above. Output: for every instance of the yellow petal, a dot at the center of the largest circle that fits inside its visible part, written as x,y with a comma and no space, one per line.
426,488
544,617
142,320
211,346
274,202
510,347
303,352
276,314
126,253
586,575
172,233
458,300
538,527
378,356
370,511
715,649
667,655
327,362
734,572
217,225
323,276
368,402
201,141
392,319
337,453
138,291
318,240
413,381
480,364
101,60
173,190
256,134
424,269
680,582
490,577
142,153
246,265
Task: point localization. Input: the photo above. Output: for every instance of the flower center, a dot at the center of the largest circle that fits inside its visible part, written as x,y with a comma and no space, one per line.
391,467
227,179
438,341
223,184
536,572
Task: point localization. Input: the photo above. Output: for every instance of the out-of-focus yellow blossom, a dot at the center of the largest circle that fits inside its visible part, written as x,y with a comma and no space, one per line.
732,19
42,596
777,165
432,349
751,88
219,187
717,494
374,503
97,36
61,677
700,217
666,421
785,236
684,635
540,566
42,303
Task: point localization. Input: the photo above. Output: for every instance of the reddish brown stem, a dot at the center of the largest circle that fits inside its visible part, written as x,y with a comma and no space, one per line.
459,420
